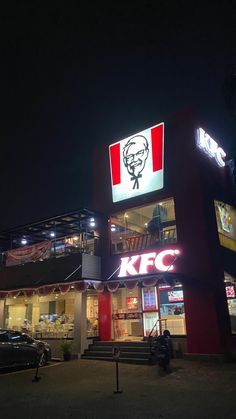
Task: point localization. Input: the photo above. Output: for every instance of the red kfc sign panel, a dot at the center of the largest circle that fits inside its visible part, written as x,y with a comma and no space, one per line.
137,164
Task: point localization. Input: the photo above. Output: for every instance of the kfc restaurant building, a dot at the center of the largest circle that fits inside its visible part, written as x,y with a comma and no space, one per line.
168,259
158,250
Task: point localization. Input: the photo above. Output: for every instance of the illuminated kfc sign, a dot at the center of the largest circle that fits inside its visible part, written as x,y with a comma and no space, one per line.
146,263
210,147
136,164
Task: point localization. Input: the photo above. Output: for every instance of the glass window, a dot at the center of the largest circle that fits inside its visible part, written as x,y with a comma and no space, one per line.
42,316
172,309
230,289
3,336
142,227
226,224
18,337
92,314
15,337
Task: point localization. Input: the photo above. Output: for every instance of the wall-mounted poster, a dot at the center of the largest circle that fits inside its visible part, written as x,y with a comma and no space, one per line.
230,291
132,303
149,299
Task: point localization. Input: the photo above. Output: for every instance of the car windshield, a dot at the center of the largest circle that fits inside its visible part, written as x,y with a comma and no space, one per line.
19,337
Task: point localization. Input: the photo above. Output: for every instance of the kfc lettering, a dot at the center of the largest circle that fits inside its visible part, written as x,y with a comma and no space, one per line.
210,147
147,262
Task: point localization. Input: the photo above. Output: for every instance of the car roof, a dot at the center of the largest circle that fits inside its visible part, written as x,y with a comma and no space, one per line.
12,331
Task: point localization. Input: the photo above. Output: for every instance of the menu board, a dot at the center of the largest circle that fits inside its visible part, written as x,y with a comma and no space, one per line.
126,316
174,296
149,299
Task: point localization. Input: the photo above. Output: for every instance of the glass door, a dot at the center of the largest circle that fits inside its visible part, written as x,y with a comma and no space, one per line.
151,323
127,314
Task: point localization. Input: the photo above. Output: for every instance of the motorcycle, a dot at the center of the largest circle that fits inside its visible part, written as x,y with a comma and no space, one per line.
160,352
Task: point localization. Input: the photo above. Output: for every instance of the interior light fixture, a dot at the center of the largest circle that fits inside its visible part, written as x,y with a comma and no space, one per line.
92,222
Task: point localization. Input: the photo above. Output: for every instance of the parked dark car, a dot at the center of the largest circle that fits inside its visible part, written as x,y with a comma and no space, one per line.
18,348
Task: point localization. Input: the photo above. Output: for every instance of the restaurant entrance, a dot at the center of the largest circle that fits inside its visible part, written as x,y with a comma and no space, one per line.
134,313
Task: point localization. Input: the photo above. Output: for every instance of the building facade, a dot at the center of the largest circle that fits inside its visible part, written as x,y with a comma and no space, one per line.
171,236
156,252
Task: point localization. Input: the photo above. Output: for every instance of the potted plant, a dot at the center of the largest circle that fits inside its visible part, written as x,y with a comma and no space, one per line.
65,347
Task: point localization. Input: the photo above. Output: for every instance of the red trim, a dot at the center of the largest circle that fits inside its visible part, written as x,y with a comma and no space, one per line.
157,147
115,164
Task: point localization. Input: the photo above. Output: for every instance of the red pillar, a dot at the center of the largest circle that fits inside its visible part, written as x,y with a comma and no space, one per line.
104,315
206,322
201,322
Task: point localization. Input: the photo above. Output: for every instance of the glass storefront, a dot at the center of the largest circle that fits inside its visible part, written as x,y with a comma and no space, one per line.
137,313
49,316
92,314
230,289
172,309
144,227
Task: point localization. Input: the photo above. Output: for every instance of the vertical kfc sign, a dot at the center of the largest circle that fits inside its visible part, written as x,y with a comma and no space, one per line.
137,164
210,147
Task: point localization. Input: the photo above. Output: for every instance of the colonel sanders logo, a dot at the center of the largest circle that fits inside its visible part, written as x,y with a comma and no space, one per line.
135,154
137,163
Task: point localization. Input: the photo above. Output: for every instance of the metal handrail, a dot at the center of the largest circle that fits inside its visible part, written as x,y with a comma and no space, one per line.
155,325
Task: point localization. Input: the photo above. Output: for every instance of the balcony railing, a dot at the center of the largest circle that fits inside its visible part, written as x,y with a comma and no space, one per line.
145,241
56,248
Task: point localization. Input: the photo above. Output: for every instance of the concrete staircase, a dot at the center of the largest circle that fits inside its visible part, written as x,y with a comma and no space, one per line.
130,352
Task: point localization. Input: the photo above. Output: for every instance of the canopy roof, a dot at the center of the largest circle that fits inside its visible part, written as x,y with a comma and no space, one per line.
64,225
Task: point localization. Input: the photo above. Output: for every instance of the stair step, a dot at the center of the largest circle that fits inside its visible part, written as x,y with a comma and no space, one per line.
121,343
124,348
122,355
124,360
136,352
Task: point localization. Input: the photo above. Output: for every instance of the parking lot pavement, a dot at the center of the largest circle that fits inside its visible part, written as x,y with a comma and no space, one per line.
84,389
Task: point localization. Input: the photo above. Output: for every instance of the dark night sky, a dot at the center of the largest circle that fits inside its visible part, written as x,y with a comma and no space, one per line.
76,77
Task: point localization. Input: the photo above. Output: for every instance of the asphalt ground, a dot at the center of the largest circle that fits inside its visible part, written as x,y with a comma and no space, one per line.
84,389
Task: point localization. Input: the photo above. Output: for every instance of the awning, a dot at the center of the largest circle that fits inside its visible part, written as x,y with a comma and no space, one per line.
151,280
81,285
43,282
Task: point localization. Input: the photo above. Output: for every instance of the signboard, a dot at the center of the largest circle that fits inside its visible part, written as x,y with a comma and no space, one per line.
27,254
225,218
115,352
210,147
174,296
230,291
137,164
127,316
163,261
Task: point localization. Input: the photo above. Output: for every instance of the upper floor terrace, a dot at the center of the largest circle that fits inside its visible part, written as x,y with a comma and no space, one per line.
56,237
